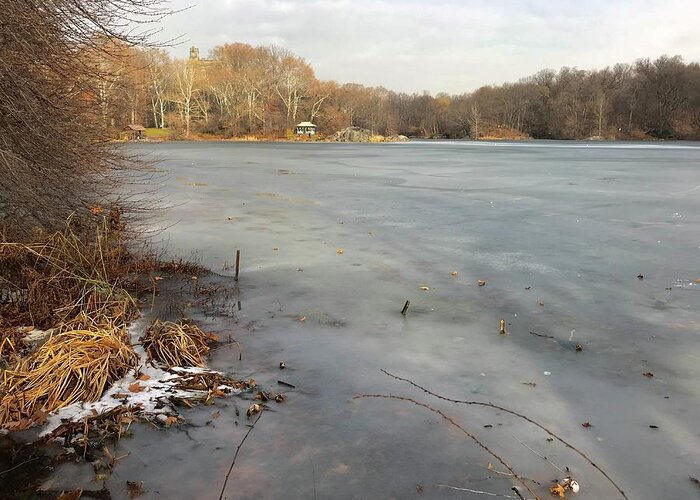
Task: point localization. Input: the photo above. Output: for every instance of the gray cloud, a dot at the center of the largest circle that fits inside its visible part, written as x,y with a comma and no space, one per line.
444,45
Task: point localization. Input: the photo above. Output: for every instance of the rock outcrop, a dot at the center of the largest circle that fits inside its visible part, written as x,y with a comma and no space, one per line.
357,134
396,138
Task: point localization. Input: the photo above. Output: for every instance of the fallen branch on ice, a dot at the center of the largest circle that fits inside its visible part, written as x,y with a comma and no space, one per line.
520,479
519,415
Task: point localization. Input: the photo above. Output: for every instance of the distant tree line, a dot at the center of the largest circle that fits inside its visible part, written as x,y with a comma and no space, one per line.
239,89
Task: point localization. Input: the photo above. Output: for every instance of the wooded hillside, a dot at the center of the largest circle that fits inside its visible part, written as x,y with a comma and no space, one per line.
239,89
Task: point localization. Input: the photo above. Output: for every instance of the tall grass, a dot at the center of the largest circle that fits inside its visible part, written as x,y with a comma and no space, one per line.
74,284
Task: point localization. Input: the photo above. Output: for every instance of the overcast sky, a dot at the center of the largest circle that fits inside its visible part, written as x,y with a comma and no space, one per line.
444,45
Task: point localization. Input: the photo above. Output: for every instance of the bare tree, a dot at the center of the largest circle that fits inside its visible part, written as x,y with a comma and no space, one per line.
55,154
474,119
159,80
293,80
186,90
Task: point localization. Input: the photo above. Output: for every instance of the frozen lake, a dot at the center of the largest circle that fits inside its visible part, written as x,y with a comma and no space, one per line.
559,231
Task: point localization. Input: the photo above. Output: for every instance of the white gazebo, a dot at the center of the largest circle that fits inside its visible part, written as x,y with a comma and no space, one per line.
305,128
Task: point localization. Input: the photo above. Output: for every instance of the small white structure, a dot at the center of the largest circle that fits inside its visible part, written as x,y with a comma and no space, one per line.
305,128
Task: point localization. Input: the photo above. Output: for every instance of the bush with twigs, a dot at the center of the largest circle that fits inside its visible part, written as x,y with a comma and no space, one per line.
56,153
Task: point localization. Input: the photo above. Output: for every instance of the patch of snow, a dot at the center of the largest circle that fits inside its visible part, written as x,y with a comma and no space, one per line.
153,394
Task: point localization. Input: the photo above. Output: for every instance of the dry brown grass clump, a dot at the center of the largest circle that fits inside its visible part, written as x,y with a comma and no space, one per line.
76,365
181,266
12,345
177,344
64,274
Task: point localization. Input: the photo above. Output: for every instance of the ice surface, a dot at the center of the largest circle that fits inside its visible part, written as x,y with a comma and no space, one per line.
558,230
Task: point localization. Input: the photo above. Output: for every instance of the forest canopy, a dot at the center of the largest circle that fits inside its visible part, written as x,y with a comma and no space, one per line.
239,89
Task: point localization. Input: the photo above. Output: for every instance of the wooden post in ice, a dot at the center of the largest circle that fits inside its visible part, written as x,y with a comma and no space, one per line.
238,264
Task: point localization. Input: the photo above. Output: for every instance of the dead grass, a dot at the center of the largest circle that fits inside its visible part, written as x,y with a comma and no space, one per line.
12,345
504,133
180,266
177,344
63,275
75,365
76,282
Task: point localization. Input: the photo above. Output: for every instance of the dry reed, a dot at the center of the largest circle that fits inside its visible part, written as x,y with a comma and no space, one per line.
66,274
76,365
12,345
177,344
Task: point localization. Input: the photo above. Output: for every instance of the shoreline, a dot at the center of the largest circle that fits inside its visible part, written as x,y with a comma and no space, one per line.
215,139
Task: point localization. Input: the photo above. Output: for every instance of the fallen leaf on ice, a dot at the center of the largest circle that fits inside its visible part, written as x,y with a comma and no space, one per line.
424,288
587,425
454,273
135,387
262,396
71,495
134,488
218,393
216,414
253,409
144,377
280,398
648,374
480,282
339,251
558,490
341,468
302,319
